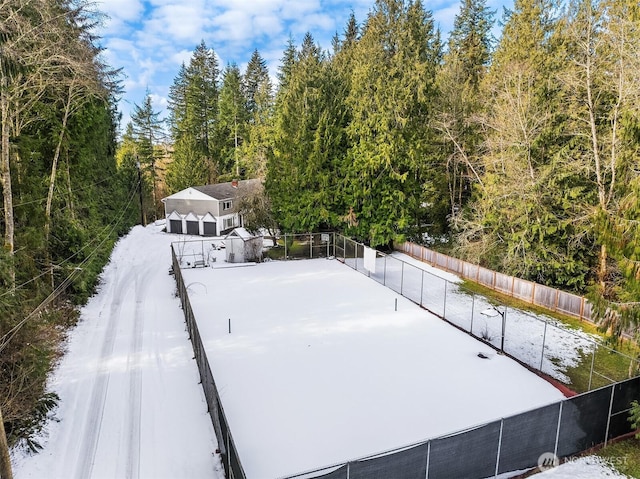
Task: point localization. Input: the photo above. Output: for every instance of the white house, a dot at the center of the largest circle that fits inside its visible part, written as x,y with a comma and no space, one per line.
209,210
241,246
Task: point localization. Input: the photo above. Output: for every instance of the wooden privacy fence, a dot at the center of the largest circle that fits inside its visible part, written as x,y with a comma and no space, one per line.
528,291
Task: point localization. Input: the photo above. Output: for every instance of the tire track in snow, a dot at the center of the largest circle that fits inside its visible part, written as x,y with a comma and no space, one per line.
135,378
93,423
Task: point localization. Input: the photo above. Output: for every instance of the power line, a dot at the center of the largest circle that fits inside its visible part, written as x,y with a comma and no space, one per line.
87,245
6,339
75,191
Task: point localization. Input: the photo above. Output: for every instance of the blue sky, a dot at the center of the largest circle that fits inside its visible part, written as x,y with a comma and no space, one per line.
149,39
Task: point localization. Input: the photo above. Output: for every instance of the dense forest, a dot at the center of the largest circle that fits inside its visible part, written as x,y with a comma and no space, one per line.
519,153
64,199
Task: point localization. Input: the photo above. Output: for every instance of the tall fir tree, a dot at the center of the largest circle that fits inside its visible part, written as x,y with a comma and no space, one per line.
148,131
259,96
231,123
255,77
391,175
201,99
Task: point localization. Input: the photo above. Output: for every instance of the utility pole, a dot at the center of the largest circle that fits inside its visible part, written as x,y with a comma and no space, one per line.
143,219
5,461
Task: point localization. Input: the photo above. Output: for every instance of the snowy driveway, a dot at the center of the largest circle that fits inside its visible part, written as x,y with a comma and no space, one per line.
130,402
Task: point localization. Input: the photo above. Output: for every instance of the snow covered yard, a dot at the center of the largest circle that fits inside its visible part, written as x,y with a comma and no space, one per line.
552,349
320,368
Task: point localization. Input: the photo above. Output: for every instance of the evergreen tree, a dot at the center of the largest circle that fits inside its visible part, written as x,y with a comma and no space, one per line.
177,104
524,220
287,62
232,122
392,174
254,79
201,99
257,147
147,131
188,167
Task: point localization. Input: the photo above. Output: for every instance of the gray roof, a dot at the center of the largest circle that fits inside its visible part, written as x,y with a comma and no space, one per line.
225,191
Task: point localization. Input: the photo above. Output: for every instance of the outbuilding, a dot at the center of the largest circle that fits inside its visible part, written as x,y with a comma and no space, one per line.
243,247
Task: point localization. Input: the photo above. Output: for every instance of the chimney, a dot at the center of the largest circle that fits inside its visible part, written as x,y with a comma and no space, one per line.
234,183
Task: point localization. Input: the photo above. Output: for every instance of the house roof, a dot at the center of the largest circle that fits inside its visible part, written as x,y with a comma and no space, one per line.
188,194
219,191
223,191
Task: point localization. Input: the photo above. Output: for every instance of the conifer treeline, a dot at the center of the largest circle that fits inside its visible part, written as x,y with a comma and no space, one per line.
522,151
64,201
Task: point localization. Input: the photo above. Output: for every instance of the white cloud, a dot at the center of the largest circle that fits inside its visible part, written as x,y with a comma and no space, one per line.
179,22
445,17
150,39
124,10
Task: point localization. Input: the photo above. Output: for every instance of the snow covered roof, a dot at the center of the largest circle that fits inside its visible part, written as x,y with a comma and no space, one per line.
241,233
188,194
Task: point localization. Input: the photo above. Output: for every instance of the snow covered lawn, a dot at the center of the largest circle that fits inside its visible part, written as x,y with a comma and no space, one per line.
320,368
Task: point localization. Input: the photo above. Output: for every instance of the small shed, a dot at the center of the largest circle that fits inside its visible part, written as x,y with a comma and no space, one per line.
243,247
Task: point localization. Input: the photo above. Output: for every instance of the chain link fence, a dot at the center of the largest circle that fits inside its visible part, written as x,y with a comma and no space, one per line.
528,291
540,342
230,458
515,443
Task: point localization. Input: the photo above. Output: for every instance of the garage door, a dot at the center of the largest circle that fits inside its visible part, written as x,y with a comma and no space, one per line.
192,228
209,228
176,226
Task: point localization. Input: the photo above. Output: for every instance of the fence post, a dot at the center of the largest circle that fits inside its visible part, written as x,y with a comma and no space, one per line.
334,245
593,359
228,453
310,245
499,448
384,273
285,246
444,306
544,339
606,433
555,447
473,307
428,459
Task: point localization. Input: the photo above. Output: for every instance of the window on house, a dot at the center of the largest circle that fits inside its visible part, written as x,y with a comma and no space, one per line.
226,205
228,223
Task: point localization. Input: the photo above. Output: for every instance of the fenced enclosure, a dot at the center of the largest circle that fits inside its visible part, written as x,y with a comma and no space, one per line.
515,443
540,343
534,293
230,459
196,253
206,252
